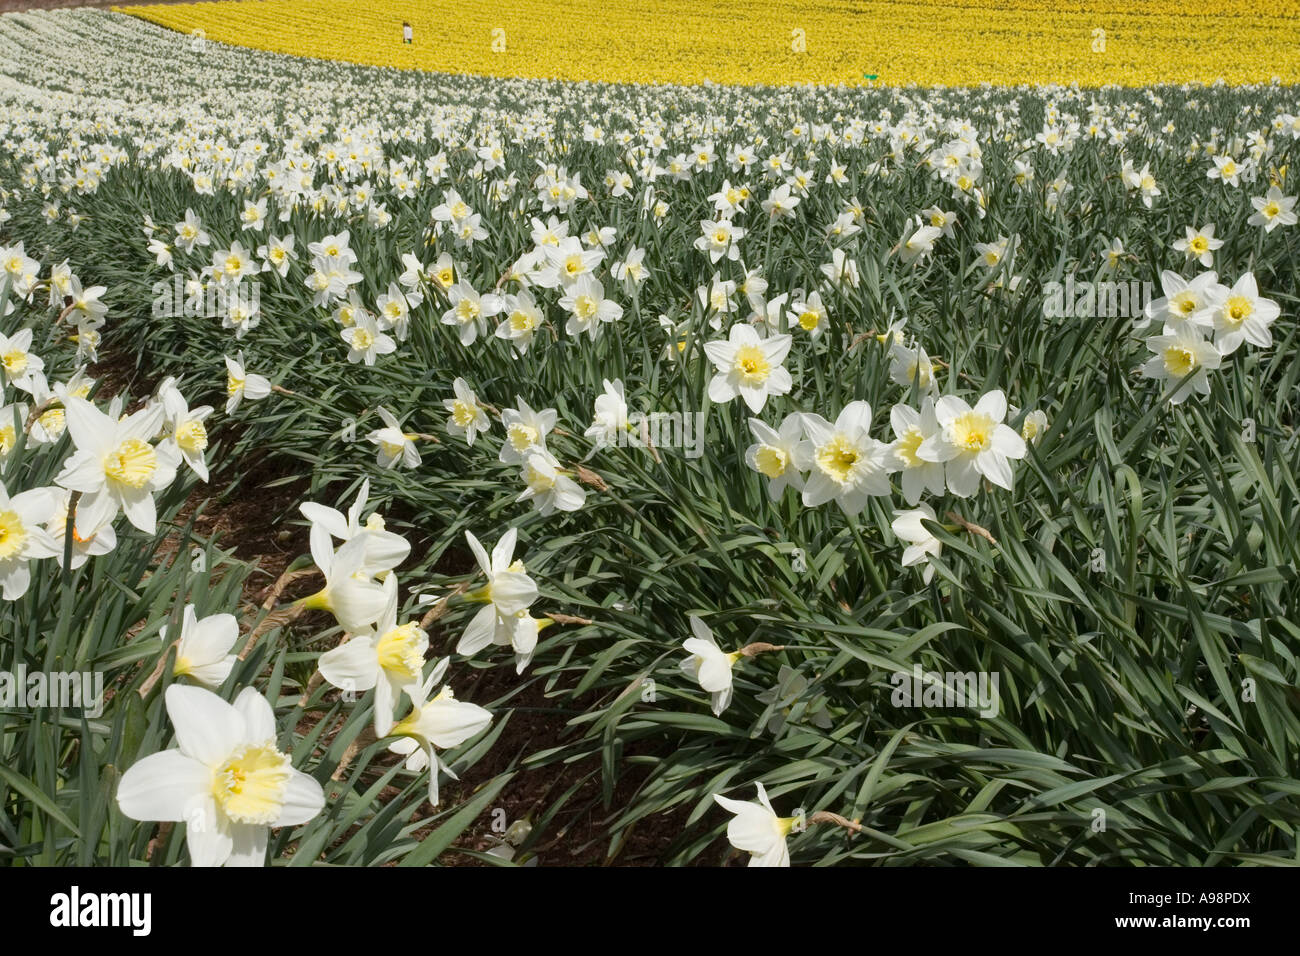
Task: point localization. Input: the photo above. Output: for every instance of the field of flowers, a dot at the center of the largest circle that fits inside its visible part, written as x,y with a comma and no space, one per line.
813,475
853,42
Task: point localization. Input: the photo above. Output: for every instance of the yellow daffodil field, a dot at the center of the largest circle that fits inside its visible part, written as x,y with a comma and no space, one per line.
854,42
882,454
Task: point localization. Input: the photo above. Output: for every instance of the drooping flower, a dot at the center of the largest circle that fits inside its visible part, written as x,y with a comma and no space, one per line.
436,724
508,592
709,666
757,830
921,542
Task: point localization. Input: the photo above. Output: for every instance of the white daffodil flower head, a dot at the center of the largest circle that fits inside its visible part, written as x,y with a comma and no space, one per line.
526,431
709,666
911,429
383,550
241,384
507,595
1240,315
23,537
921,544
115,467
354,598
203,648
464,414
394,446
757,830
610,415
389,659
749,366
549,488
773,454
1183,357
844,462
973,442
436,723
226,780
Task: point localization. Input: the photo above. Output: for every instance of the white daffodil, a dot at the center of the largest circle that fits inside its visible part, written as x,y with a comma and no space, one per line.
436,724
354,598
566,262
12,418
973,442
610,415
841,271
413,275
114,466
1241,315
908,367
526,432
23,537
226,780
588,308
394,445
86,542
53,422
184,427
203,649
469,311
18,363
844,462
85,308
189,232
1034,427
241,384
1183,301
467,416
719,239
384,550
911,429
921,542
773,455
394,311
366,341
757,830
1273,209
277,254
709,666
549,488
1199,245
918,243
748,366
390,659
1183,356
522,320
810,314
506,597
